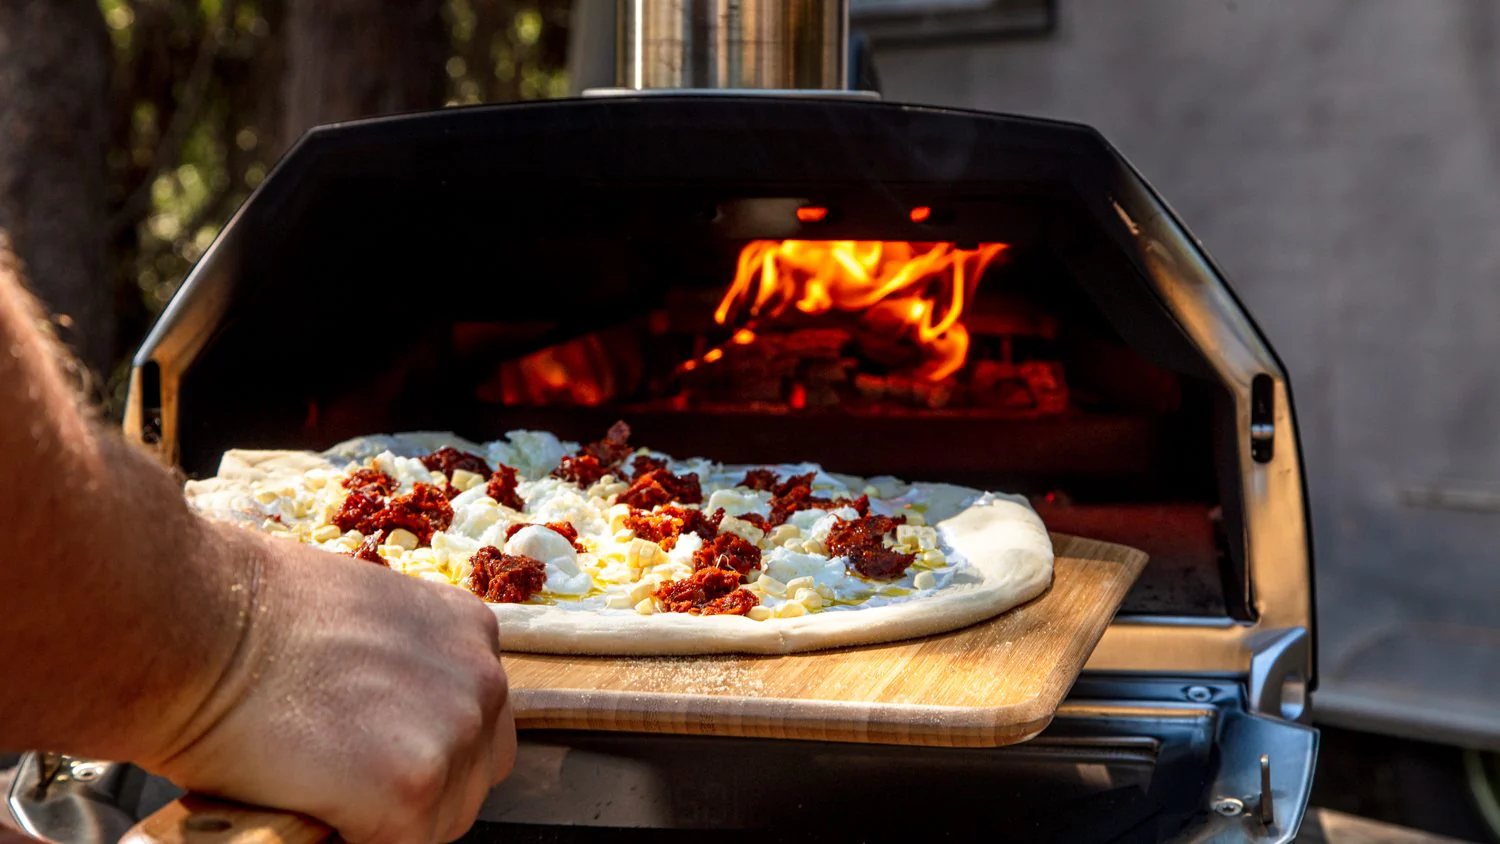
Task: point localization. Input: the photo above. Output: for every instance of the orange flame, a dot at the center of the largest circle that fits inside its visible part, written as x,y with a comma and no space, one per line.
925,286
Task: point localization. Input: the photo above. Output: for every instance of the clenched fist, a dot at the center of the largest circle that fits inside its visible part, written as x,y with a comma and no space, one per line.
372,701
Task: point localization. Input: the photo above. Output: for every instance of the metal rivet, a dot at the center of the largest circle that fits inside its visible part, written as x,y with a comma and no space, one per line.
86,771
1198,694
1229,806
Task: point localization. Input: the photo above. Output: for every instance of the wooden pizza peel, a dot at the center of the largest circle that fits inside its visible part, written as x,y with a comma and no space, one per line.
991,684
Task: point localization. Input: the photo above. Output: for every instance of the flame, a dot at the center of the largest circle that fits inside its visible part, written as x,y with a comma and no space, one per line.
924,286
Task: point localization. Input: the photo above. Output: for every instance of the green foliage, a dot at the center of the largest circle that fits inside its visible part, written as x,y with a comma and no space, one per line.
506,50
197,115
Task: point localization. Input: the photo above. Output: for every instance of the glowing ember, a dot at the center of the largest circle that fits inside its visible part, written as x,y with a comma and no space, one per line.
912,290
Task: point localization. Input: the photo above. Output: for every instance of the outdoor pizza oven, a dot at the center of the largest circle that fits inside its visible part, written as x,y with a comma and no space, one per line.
763,277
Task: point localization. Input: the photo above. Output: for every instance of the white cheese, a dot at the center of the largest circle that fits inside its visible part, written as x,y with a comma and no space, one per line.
473,518
737,502
406,471
547,545
687,545
743,529
532,453
556,500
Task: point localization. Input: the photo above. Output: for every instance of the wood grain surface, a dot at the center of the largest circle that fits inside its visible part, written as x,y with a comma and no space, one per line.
997,682
201,820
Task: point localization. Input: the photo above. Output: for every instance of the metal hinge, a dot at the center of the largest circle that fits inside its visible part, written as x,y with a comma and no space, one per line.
1262,418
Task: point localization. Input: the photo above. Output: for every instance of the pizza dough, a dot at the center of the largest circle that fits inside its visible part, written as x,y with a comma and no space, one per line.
995,552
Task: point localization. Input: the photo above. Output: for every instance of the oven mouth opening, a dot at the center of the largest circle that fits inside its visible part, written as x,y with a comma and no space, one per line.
869,328
983,337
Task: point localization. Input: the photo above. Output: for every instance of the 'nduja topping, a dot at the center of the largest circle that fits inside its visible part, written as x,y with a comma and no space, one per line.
795,493
371,483
596,460
660,486
707,591
505,578
862,542
448,458
729,552
502,488
713,588
423,511
666,525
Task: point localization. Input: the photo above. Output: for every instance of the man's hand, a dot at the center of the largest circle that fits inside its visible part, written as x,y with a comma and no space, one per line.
234,663
373,701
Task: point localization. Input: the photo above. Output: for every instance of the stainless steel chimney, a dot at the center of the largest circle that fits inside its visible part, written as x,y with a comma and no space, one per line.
740,44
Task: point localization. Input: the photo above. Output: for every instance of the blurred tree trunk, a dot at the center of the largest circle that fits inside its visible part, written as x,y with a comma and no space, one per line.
356,58
55,60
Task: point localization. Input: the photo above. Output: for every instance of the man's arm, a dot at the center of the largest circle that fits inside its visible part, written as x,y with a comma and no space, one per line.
233,663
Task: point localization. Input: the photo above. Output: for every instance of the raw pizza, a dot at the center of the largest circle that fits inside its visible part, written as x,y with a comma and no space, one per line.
612,549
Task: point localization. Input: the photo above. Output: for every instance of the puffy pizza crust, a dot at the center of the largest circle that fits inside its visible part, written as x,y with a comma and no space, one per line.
1001,536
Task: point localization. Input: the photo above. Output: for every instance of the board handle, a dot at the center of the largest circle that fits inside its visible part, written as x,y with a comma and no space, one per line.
201,820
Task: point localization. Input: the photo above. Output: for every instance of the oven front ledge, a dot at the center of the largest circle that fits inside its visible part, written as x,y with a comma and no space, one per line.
1276,662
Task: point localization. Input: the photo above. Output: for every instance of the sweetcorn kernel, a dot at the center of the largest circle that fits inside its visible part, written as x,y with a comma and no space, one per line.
790,609
924,580
403,538
641,553
624,535
464,480
800,583
814,546
640,591
808,598
743,529
825,590
617,515
934,558
265,496
771,586
324,533
782,534
760,613
647,606
796,546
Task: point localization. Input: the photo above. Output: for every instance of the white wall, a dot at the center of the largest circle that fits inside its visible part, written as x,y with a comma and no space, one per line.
1341,160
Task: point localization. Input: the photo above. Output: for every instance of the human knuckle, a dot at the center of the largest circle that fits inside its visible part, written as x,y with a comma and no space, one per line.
493,686
419,781
468,725
484,620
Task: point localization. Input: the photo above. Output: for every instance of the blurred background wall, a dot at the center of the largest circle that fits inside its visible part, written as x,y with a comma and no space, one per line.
1341,161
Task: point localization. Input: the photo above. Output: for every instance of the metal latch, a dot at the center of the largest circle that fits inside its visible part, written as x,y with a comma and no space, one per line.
1262,418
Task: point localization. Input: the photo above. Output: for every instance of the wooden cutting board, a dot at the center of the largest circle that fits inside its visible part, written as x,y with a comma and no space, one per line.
997,682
